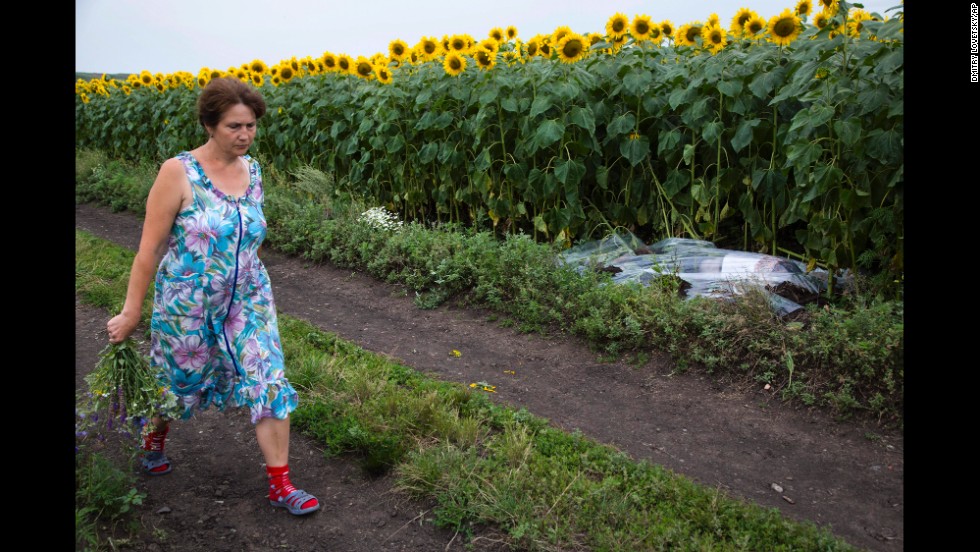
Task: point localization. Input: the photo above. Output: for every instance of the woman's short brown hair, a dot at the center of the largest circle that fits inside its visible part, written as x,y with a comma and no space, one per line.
222,93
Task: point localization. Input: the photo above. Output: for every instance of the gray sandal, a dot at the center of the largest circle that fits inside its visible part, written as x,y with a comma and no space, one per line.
153,460
294,502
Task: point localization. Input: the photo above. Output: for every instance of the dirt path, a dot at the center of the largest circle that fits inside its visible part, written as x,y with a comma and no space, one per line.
845,476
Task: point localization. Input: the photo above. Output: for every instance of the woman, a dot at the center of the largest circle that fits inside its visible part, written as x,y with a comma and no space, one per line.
214,333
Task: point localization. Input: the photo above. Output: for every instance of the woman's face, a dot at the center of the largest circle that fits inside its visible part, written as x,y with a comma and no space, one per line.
236,129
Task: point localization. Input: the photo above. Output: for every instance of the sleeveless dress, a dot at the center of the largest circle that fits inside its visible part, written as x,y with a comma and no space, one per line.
214,333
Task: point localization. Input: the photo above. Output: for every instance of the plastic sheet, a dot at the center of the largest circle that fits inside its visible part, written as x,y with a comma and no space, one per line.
708,270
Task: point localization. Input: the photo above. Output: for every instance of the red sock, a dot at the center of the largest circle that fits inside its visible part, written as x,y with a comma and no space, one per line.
279,484
154,443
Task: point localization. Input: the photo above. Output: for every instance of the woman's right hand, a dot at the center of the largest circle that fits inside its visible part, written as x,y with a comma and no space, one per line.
121,326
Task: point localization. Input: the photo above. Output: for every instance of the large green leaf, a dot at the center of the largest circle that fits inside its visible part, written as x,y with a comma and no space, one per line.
743,134
635,149
569,171
548,133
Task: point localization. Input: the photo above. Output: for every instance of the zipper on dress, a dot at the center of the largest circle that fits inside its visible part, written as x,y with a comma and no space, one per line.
234,285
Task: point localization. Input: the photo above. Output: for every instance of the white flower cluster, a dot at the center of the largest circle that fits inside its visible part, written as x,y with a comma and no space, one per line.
380,218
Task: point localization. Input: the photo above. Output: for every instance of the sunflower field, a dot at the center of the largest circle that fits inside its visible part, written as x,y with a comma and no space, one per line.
782,135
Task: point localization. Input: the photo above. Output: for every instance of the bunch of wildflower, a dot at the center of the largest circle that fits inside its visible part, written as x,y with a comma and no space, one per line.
122,397
380,218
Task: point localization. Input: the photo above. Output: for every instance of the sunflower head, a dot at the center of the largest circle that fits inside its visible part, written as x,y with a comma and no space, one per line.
667,28
382,74
329,61
257,79
855,21
572,47
363,68
560,33
532,47
454,63
458,43
146,78
713,21
804,8
822,19
544,48
688,34
829,6
617,26
497,34
127,90
754,27
784,28
485,57
739,20
511,32
258,66
489,43
345,64
641,27
429,48
714,38
286,73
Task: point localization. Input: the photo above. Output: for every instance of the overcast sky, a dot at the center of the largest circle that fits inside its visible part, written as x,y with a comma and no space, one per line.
128,36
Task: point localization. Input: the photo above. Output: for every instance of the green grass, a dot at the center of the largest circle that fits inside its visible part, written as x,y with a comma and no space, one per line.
486,465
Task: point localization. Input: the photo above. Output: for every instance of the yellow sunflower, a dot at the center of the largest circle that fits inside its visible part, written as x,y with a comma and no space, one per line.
714,38
257,79
398,49
85,98
829,6
854,21
345,63
127,90
617,26
146,78
544,48
560,33
667,28
755,27
784,28
804,8
485,58
489,43
276,80
458,43
739,20
532,47
511,32
382,74
160,87
258,66
713,21
202,80
618,43
688,33
497,34
822,19
363,68
217,73
286,73
454,63
656,35
641,27
329,61
572,47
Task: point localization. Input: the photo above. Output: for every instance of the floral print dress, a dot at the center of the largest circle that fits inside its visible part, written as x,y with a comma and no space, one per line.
214,332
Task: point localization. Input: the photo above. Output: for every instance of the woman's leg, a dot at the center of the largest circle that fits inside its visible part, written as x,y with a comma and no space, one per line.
273,437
